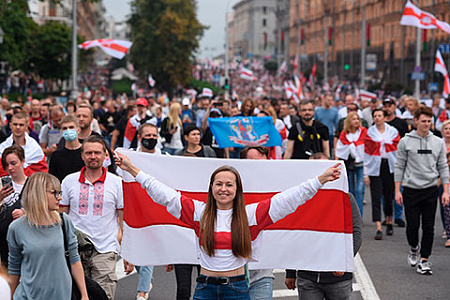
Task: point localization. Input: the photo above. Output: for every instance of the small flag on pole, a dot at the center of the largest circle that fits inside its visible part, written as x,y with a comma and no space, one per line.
439,67
151,81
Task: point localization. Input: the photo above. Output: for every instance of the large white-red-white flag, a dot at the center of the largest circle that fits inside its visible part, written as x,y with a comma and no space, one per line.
114,48
366,95
414,16
247,74
440,67
317,236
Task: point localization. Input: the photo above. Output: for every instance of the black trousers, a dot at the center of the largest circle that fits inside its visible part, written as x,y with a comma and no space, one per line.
420,203
382,185
183,274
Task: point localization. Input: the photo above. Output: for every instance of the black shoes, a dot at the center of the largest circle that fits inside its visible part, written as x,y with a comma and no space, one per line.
400,222
389,229
379,235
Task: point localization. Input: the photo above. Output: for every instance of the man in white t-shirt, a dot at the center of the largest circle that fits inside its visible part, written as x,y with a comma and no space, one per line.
93,198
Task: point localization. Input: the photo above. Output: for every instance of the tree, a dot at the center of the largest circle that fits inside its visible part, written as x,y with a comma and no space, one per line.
17,27
50,55
166,35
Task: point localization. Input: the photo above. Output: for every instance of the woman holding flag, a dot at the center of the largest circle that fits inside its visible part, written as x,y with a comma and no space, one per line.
226,240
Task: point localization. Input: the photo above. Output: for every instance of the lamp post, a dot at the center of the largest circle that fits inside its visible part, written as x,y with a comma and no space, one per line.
74,92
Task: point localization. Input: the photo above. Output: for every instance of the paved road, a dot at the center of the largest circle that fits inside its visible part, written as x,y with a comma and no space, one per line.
388,275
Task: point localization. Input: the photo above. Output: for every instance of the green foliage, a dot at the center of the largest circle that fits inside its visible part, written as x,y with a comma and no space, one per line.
166,35
17,28
199,85
271,66
50,53
122,86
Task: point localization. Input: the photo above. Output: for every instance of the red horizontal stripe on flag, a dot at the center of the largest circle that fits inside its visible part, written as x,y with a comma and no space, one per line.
328,211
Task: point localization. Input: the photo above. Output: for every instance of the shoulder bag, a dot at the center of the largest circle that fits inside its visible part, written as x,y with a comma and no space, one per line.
94,290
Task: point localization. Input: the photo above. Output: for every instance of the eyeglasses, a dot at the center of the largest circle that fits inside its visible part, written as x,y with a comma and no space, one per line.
55,193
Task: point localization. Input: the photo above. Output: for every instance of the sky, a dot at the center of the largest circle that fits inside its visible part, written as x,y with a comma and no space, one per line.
210,13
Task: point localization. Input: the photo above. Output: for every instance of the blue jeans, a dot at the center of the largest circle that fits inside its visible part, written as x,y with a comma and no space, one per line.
310,290
356,186
145,278
261,289
231,291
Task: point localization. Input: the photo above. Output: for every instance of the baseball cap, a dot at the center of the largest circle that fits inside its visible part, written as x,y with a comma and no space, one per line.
388,101
185,101
142,101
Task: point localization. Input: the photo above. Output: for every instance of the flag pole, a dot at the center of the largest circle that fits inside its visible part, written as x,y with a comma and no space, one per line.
363,45
417,65
74,92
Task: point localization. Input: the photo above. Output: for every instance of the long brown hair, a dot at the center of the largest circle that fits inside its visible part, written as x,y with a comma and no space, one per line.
240,231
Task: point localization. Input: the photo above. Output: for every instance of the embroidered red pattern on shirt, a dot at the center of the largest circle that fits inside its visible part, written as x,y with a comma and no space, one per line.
99,188
83,199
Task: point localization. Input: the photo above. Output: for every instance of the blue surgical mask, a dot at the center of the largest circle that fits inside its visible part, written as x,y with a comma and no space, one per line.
70,135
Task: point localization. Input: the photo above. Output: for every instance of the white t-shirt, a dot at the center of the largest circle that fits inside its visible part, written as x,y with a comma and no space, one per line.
93,207
5,291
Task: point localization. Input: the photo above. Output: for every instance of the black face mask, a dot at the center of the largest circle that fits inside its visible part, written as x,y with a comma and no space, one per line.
149,143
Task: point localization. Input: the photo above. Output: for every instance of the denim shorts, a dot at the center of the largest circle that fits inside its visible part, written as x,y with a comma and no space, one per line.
229,291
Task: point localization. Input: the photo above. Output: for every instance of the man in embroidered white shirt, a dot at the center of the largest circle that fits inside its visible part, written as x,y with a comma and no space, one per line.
93,198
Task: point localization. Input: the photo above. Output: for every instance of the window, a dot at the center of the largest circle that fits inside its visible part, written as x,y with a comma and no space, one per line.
264,22
264,9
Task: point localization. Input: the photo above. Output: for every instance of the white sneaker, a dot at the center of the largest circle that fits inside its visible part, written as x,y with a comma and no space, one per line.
414,257
424,268
142,298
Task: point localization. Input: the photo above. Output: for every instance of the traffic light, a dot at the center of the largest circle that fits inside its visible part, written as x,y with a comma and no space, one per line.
346,67
226,85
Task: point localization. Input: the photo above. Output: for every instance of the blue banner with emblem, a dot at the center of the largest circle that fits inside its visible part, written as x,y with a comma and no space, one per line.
245,132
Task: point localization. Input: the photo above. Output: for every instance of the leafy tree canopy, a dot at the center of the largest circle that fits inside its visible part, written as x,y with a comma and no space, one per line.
166,35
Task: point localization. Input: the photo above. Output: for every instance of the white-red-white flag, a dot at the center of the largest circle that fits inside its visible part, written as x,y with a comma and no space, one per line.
288,90
439,66
151,81
317,236
247,74
114,48
366,95
414,16
298,85
296,64
282,69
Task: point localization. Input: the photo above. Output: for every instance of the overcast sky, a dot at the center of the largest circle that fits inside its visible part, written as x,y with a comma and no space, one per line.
210,13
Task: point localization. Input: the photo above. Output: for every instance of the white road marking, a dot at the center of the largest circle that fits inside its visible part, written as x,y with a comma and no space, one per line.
368,291
284,293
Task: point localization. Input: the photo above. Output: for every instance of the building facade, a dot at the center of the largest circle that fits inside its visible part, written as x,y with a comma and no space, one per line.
333,29
251,30
90,15
281,31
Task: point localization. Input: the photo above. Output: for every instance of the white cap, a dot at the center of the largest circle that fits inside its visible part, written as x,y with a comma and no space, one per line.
185,101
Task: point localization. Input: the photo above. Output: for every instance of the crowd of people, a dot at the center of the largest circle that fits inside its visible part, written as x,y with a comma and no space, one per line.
397,147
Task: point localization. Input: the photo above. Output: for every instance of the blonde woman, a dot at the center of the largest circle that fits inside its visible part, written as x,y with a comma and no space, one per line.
350,148
171,129
36,245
